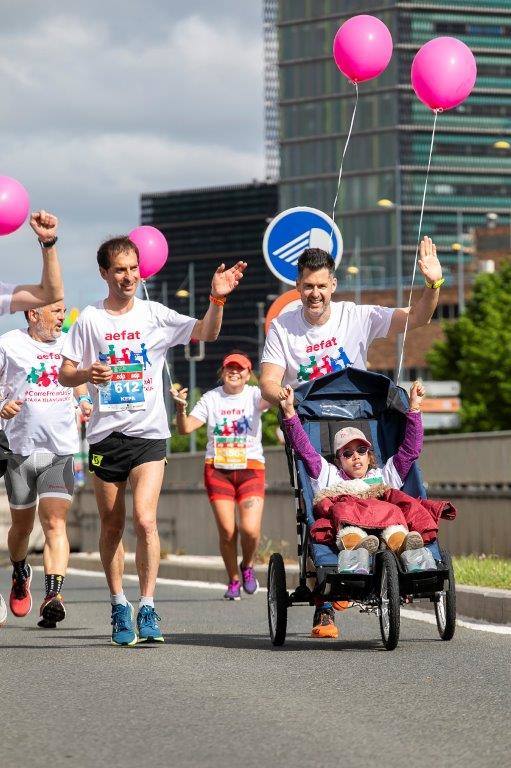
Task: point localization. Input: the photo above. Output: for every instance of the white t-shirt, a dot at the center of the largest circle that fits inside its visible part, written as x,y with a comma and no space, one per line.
6,291
331,475
29,371
134,344
234,426
307,351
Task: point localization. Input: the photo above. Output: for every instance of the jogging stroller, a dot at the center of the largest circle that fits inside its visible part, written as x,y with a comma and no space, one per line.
374,404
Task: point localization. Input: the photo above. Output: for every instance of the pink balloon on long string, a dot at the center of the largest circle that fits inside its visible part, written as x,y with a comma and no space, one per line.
362,48
14,205
153,249
444,72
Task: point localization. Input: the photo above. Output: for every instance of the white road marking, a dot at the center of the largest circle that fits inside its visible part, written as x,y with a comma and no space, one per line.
427,618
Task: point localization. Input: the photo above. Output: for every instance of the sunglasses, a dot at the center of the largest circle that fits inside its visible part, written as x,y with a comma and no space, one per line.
361,451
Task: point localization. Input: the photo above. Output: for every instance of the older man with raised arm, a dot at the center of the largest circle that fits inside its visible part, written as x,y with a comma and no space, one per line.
321,336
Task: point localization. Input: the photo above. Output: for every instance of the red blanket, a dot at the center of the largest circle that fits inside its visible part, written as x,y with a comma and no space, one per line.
393,508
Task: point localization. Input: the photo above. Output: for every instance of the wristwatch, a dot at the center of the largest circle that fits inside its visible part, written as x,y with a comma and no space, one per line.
47,243
436,284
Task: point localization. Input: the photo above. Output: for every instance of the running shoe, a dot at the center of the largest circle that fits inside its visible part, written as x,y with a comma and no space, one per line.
233,591
3,611
20,600
147,626
52,611
323,624
123,632
250,583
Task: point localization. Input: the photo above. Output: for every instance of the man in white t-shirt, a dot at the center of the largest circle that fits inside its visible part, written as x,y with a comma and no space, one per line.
39,419
320,336
19,298
120,344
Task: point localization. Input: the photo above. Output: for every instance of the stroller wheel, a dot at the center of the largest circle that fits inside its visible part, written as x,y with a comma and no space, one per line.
389,601
445,602
277,599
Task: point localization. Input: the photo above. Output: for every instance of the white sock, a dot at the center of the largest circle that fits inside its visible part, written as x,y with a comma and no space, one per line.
146,601
119,599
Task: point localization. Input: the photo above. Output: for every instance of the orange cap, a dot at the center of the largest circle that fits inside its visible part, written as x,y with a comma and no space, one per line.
240,360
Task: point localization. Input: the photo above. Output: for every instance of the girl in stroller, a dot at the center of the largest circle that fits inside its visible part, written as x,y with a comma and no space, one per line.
356,475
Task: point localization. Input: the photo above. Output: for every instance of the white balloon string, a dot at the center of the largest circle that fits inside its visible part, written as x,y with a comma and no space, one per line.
167,368
417,248
342,161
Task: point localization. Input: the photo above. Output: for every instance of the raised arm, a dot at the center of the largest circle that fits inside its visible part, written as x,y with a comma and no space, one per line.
223,283
51,288
72,376
297,436
421,313
411,447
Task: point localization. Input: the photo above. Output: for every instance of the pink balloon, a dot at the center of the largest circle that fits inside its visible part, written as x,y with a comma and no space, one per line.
362,48
14,205
152,248
444,71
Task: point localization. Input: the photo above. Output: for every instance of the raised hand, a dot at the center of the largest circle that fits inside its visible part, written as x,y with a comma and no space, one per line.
286,397
429,264
225,280
417,393
180,396
99,373
44,225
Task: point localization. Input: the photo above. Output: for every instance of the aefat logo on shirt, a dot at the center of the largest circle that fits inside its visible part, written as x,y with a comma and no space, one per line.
42,377
335,360
126,355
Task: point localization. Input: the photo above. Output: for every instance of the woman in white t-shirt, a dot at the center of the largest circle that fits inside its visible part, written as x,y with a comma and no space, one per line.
234,466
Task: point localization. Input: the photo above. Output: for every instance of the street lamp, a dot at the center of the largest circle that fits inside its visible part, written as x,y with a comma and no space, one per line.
501,144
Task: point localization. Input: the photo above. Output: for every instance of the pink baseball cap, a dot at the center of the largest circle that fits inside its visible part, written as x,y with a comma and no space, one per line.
346,435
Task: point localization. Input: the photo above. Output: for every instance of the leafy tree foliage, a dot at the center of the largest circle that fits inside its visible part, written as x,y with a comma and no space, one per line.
477,352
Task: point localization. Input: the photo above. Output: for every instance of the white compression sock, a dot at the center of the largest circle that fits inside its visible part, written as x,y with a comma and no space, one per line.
119,599
146,601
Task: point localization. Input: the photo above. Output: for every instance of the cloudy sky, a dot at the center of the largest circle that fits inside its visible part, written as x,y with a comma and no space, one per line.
102,101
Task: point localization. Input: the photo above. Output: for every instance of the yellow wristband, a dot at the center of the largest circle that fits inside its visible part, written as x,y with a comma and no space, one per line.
436,284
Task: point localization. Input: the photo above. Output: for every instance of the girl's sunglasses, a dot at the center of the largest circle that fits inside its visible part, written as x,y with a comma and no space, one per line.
361,451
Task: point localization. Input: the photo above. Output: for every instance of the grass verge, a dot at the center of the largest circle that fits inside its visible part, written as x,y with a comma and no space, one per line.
483,571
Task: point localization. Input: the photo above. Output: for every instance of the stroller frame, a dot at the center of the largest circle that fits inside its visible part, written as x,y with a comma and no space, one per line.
388,586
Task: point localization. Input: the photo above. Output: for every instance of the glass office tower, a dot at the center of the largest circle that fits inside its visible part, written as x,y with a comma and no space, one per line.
387,158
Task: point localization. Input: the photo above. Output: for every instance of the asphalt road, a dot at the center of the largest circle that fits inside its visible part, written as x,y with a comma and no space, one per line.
218,694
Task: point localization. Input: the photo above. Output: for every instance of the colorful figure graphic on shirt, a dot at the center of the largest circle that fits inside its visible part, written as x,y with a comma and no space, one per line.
134,356
54,374
342,361
244,425
43,380
218,429
33,376
327,366
303,373
226,430
316,371
125,352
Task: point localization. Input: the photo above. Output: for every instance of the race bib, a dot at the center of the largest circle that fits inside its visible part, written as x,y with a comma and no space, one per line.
125,392
230,452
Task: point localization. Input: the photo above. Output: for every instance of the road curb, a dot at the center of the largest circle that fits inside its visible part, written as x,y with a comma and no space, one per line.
481,603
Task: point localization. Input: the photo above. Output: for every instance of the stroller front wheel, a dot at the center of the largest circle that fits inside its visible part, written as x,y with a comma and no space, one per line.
389,610
277,599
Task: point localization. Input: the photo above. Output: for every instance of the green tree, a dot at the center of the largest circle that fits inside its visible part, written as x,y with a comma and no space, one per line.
476,351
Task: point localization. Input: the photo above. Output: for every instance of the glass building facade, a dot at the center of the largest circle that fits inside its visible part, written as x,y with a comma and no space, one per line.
387,158
206,227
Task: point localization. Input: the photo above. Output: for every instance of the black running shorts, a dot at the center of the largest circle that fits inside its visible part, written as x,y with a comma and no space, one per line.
113,458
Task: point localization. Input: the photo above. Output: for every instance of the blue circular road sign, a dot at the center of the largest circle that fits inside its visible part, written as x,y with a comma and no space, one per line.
294,230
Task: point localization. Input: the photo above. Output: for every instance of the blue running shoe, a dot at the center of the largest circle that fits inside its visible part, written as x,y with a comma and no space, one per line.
123,632
147,626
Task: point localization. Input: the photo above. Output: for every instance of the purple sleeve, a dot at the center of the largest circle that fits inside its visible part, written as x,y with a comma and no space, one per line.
410,448
302,446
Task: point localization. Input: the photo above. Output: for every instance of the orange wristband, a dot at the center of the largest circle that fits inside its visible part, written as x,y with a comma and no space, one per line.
217,300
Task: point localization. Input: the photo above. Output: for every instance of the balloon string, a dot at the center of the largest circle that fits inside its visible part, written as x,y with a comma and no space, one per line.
342,161
417,247
167,368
